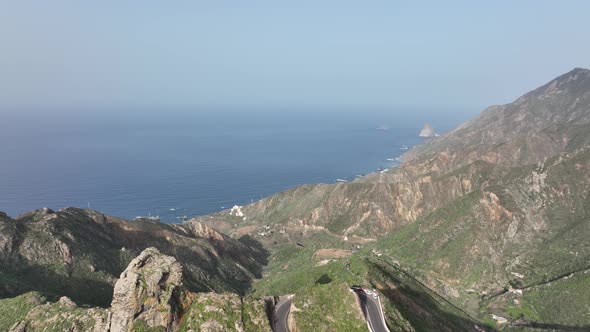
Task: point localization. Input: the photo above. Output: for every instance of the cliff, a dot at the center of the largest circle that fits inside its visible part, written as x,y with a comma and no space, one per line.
80,253
149,296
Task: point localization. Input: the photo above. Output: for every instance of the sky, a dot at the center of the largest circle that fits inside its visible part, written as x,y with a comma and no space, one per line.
114,54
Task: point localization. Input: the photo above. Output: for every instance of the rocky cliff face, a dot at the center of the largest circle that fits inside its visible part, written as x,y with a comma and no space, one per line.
62,315
512,226
149,290
552,119
482,214
80,253
148,296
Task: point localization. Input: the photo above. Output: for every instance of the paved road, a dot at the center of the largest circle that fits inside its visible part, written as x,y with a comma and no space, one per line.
281,314
373,313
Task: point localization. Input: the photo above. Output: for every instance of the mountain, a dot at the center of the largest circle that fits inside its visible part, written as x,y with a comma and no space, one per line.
149,296
548,120
552,119
495,208
485,227
80,253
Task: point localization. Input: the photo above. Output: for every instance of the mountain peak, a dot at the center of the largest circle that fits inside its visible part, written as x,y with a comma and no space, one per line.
574,74
580,70
574,82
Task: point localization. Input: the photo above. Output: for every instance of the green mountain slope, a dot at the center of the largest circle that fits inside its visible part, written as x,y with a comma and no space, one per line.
499,204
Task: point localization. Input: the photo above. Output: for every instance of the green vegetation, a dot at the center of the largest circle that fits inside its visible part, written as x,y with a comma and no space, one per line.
292,269
563,302
55,317
422,308
224,312
323,299
329,307
439,240
141,326
522,311
15,309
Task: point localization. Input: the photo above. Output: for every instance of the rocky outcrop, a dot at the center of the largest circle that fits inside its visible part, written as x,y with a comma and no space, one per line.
225,312
148,296
427,131
63,315
149,290
78,253
204,231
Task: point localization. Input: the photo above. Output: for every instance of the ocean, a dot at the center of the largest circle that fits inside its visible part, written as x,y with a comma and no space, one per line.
176,163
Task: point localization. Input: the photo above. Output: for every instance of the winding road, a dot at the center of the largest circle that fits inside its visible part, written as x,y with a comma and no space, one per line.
371,309
373,312
281,314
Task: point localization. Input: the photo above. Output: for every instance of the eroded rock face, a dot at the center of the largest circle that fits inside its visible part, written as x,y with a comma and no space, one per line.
149,295
148,290
51,251
204,231
62,315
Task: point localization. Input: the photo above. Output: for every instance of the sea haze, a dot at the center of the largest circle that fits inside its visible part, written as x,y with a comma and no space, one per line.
192,163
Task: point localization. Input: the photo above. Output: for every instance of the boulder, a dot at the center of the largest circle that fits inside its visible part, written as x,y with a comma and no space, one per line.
65,301
149,290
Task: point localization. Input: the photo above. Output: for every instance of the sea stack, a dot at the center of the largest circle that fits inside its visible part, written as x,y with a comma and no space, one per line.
427,131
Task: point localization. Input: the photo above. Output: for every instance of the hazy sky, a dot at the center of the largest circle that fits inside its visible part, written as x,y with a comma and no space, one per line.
166,54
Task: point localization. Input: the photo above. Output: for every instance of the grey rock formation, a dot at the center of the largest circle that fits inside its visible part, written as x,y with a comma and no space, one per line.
50,252
427,131
63,315
65,301
148,296
148,290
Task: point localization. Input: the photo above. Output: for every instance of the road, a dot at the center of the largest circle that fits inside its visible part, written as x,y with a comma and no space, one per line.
281,314
373,313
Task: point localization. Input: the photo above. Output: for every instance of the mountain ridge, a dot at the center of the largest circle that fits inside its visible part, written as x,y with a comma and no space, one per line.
486,226
501,196
76,244
411,184
536,112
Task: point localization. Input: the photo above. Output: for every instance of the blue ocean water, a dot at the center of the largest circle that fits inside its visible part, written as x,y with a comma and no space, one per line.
170,164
